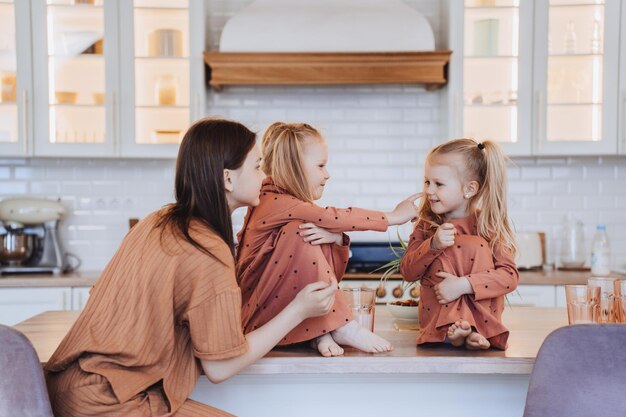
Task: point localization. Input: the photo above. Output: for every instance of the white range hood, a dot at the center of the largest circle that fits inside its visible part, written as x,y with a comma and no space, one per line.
327,26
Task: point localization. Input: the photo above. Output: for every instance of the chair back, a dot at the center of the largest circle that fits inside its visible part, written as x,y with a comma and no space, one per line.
580,371
22,385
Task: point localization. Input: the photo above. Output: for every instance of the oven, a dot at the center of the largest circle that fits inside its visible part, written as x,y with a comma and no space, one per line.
363,271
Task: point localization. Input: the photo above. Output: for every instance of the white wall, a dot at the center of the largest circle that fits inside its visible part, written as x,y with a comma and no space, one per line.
378,137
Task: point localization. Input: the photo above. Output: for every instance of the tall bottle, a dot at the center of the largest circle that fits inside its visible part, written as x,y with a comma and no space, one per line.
600,253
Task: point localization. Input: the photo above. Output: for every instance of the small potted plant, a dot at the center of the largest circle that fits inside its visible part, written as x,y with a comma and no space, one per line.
402,309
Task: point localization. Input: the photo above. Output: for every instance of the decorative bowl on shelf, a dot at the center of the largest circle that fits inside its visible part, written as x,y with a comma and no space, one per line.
165,136
404,310
66,97
98,98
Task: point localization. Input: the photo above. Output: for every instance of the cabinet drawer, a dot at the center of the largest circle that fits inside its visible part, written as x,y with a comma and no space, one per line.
533,296
18,304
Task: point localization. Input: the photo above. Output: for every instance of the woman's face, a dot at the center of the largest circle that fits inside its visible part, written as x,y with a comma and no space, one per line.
243,184
314,160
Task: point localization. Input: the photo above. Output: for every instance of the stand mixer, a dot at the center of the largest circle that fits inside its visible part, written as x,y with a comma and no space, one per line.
29,237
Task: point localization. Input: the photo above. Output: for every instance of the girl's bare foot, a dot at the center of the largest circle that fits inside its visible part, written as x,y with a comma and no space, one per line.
458,332
355,335
327,346
476,341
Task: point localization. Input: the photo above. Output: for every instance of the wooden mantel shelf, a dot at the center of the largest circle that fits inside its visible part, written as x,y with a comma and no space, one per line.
312,68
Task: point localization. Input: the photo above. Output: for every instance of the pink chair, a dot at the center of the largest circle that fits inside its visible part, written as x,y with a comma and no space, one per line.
580,371
22,386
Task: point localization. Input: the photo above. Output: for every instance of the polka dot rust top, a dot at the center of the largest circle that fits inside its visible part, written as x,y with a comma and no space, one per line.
491,275
274,263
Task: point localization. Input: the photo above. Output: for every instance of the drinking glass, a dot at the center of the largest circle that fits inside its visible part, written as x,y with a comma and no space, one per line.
583,303
362,302
620,300
607,299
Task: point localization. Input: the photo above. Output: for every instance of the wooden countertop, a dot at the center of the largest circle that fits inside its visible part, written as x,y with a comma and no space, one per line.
539,277
74,279
88,278
529,327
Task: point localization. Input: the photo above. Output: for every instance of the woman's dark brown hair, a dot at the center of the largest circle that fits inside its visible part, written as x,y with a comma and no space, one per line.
209,147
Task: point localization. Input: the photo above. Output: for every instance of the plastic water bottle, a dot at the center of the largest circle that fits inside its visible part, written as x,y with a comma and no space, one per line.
600,253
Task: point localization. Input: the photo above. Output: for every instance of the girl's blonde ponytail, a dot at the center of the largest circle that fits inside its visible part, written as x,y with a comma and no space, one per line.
493,220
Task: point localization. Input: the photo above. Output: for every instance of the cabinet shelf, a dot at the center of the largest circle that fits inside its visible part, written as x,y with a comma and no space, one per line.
273,68
177,107
490,105
77,105
162,58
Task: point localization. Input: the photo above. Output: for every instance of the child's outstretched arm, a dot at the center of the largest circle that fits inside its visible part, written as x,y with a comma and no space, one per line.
288,208
419,254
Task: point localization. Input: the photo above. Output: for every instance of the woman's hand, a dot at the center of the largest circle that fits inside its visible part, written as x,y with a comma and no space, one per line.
316,299
405,210
318,235
444,236
451,288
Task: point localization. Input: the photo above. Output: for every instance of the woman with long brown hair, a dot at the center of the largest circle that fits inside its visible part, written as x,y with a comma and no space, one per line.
167,306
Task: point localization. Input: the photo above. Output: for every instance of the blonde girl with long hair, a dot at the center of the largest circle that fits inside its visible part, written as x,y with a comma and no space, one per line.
462,248
288,241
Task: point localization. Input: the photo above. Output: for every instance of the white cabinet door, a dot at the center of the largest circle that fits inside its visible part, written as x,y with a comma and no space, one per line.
79,297
489,91
15,79
76,58
18,304
575,76
162,74
560,296
532,296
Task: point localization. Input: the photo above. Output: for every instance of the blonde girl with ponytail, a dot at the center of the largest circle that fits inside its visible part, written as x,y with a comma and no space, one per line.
462,248
288,241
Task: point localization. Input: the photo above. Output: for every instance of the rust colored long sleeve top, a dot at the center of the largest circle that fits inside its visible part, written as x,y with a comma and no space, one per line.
274,263
491,275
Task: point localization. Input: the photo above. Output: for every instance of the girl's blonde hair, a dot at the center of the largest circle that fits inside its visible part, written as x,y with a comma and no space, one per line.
282,156
485,163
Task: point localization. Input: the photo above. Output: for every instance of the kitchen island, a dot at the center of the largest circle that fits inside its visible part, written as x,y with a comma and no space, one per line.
422,381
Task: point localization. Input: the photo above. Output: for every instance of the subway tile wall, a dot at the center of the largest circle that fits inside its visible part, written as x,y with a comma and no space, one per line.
378,137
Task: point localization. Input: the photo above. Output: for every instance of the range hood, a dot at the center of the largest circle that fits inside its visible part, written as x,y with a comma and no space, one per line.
289,42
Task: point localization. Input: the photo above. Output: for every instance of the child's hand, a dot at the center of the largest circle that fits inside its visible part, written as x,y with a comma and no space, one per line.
316,299
451,288
444,236
405,210
318,235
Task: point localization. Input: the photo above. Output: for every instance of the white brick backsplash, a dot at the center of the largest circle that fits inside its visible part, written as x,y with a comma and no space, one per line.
613,187
551,187
522,187
535,173
599,202
568,172
8,189
600,172
569,202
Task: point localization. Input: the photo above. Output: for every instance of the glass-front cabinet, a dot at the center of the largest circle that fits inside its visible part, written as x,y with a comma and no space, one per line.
112,77
15,79
75,65
494,82
621,112
576,74
555,95
163,88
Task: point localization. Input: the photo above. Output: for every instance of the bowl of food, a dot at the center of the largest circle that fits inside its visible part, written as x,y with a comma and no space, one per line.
404,310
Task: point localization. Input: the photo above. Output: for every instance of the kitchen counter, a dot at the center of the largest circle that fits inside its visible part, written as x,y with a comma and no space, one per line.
88,278
538,277
74,279
492,383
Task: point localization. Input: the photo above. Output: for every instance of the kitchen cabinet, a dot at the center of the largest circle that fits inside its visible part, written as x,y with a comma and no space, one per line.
111,78
18,304
532,296
79,297
537,76
16,89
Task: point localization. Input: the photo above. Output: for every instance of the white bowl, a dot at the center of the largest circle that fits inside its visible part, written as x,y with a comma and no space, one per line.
403,312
